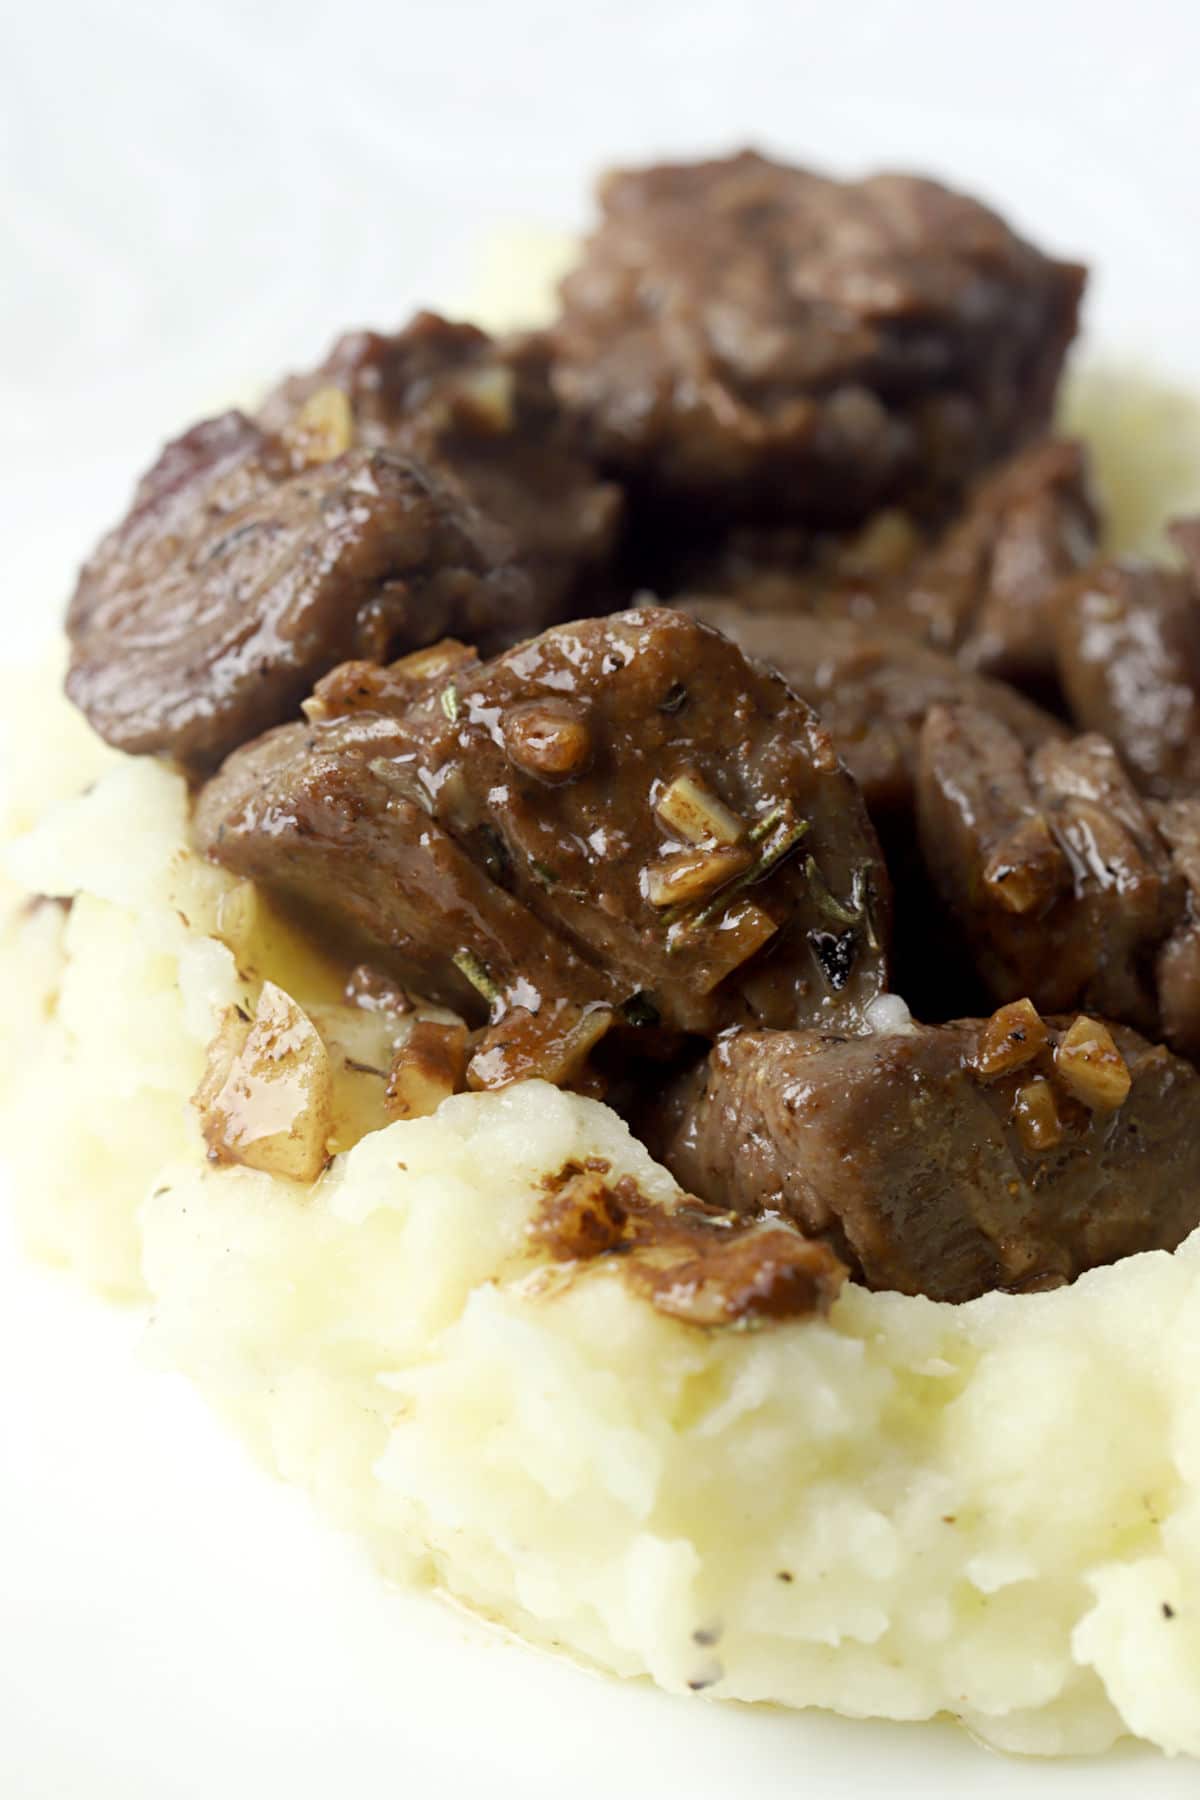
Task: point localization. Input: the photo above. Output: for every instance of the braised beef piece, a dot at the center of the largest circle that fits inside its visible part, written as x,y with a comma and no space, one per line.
234,583
872,688
1129,648
983,588
623,821
948,1160
852,573
987,589
414,487
1068,887
482,412
1177,965
764,340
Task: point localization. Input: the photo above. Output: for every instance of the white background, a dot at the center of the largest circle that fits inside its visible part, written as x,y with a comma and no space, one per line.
191,199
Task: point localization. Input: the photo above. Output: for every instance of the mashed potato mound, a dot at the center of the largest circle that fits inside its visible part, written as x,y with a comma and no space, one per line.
990,1510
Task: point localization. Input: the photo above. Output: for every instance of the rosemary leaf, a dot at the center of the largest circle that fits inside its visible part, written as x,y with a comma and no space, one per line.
477,973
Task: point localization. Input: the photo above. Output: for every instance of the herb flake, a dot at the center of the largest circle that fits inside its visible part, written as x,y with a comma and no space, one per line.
478,974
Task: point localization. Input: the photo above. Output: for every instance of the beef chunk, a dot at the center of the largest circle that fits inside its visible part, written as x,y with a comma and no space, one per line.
948,1160
622,820
483,414
983,588
235,581
1177,967
764,339
872,688
1129,644
987,589
414,487
1066,884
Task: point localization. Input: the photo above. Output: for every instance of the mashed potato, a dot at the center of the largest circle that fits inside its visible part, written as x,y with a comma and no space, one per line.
990,1510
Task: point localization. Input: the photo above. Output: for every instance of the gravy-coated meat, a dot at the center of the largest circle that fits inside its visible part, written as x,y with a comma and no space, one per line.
1129,648
1177,965
948,1160
236,580
984,588
764,339
413,487
987,589
872,689
623,820
483,413
1065,883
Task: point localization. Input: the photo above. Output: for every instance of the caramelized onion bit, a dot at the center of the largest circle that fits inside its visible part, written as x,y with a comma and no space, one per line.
1036,1114
1091,1067
694,813
1012,1037
266,1097
429,1066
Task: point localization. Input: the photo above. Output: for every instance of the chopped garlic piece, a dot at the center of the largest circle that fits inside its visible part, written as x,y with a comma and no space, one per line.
694,874
266,1098
1091,1067
323,428
1012,1037
697,815
1036,1114
429,1066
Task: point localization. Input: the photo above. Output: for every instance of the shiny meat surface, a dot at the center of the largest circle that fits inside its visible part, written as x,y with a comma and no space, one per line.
872,689
482,412
621,821
235,581
413,487
1129,650
988,587
1065,883
984,588
934,1165
765,339
1177,965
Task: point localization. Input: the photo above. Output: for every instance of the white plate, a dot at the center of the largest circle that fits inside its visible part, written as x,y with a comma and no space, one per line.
197,197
